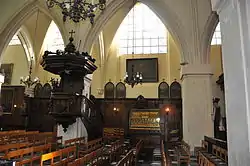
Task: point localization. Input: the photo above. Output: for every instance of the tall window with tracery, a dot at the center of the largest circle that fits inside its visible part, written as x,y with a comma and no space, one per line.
142,32
216,40
53,40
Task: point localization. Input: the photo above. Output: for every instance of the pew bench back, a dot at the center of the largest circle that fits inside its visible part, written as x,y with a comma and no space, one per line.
60,157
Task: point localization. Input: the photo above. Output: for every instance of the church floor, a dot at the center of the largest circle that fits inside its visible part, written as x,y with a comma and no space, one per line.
146,157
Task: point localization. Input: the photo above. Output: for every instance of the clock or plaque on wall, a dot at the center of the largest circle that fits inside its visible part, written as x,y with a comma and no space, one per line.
147,66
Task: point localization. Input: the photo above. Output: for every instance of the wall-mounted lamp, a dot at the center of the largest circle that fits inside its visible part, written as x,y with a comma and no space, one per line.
167,110
15,106
116,110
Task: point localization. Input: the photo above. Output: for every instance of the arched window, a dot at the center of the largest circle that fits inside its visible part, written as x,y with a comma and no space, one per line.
216,40
120,91
175,90
53,40
142,32
163,90
109,90
15,40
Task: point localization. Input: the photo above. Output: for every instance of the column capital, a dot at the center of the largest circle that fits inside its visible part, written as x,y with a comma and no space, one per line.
196,70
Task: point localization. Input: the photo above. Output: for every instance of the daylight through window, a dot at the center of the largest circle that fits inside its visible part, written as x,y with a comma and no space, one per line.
217,36
53,39
142,32
15,40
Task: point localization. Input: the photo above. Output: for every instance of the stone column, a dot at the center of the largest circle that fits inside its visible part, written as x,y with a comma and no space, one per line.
234,16
197,103
235,25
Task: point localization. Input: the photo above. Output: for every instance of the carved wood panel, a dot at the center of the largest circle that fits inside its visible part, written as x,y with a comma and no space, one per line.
109,90
38,90
163,90
175,90
120,91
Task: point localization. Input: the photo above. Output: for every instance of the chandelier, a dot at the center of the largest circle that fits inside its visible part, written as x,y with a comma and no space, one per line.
27,81
78,10
134,79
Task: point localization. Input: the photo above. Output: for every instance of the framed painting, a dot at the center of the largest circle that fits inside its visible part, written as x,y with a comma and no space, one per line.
147,66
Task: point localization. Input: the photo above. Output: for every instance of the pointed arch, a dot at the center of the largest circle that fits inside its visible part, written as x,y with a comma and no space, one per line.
53,40
136,35
163,90
175,90
14,24
38,90
120,90
109,91
169,18
46,90
207,35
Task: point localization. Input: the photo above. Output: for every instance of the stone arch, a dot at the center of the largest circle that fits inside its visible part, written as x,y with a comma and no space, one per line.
207,36
20,17
171,21
26,43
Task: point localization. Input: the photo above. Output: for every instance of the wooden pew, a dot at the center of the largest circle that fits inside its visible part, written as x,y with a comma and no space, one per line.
65,156
94,158
127,160
28,155
113,132
75,141
20,137
137,149
90,146
184,153
217,155
5,149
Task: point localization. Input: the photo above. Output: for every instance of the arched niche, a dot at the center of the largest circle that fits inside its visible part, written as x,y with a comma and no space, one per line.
120,91
109,90
46,90
175,90
163,90
38,90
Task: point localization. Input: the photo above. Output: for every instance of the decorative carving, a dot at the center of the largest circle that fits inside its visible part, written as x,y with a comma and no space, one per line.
109,90
72,66
175,90
163,90
120,91
38,90
46,90
141,102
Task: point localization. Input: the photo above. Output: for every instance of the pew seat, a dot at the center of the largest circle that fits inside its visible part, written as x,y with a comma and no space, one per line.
184,153
28,155
90,146
60,157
